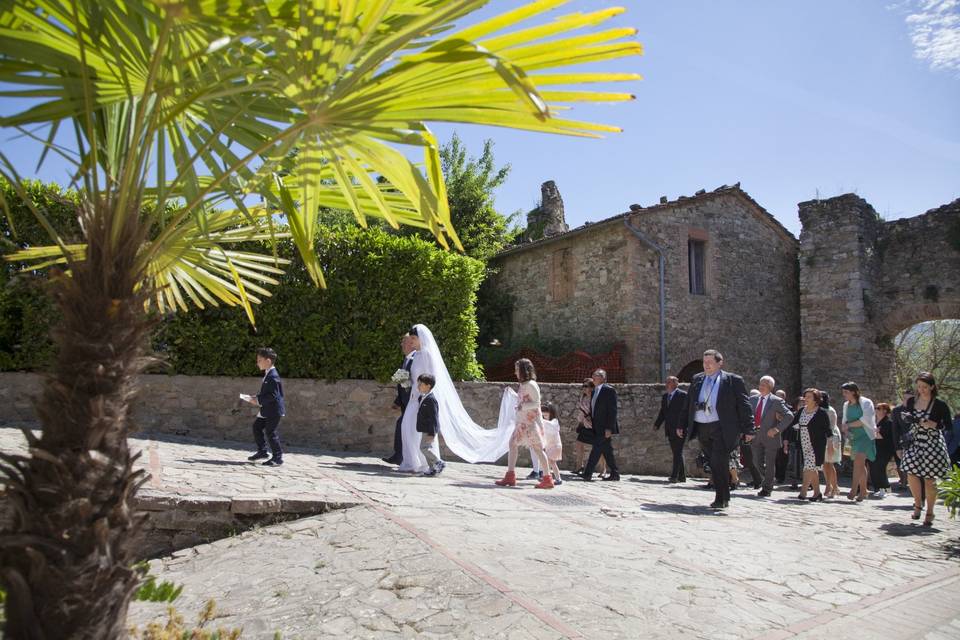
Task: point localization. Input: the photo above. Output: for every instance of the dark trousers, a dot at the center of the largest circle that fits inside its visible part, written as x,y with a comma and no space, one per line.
678,472
711,441
878,468
780,466
601,447
398,441
747,452
270,426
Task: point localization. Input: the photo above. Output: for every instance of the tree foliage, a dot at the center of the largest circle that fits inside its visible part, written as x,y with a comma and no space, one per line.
934,347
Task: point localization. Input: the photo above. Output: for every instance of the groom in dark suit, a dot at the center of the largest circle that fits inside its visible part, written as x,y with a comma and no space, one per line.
605,425
719,410
673,415
400,402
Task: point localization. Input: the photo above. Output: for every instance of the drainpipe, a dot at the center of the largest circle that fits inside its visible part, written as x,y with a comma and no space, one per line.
661,260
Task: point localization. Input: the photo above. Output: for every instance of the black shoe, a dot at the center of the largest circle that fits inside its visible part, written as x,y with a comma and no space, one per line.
579,472
671,480
757,485
816,498
535,475
764,493
273,462
392,459
259,455
429,474
719,504
681,480
613,477
734,486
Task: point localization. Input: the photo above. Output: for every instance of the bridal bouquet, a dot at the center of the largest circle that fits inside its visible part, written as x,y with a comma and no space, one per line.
401,377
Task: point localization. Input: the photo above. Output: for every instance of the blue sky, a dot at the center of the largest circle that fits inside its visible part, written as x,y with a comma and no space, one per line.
791,98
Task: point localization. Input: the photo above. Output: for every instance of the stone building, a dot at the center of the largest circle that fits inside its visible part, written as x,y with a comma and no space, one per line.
817,312
729,281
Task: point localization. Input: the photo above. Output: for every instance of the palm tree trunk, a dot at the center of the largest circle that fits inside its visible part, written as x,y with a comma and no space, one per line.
67,560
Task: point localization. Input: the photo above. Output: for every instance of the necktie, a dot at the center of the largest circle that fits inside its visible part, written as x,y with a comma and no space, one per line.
756,416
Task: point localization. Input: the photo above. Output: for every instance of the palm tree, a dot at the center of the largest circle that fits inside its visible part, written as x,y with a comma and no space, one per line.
192,125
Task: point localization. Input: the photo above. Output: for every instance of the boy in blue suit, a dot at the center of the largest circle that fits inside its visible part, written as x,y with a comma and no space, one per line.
428,423
270,401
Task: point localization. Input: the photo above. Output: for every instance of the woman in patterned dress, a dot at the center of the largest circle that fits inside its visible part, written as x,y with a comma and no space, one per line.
814,429
926,457
529,426
859,422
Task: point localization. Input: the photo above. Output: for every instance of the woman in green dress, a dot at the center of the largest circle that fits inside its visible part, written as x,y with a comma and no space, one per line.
859,423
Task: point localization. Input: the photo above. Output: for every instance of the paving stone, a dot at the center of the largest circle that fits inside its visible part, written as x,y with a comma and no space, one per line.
456,557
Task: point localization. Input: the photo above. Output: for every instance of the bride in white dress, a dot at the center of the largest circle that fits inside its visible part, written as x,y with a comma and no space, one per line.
462,435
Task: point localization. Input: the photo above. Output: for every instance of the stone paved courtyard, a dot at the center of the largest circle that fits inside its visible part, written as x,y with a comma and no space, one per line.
456,557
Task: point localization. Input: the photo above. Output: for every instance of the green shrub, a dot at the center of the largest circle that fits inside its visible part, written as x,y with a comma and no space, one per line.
378,286
950,491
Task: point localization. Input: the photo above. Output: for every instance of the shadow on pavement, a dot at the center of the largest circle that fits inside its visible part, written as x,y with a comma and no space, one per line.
371,469
684,509
893,507
482,485
901,530
214,461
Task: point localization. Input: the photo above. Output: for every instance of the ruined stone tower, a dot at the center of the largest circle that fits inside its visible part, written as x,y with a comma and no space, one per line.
547,219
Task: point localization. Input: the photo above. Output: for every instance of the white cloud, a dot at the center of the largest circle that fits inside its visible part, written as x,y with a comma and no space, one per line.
935,32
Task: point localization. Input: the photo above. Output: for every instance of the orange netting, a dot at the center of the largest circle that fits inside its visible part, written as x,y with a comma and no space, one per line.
571,367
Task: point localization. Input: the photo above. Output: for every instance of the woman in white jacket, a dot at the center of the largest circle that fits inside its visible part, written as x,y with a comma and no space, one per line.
860,425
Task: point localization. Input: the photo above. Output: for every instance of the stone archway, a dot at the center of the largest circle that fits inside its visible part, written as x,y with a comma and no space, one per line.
691,369
863,280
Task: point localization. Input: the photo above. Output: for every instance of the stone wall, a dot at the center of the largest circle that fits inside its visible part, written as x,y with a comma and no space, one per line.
838,284
577,289
351,415
921,270
750,311
863,280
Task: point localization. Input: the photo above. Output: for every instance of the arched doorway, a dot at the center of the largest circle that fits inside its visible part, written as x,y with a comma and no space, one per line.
691,369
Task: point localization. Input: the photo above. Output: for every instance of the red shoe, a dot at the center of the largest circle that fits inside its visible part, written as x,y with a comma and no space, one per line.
546,483
509,480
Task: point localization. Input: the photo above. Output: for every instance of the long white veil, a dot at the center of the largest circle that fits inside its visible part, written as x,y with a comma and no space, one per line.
463,436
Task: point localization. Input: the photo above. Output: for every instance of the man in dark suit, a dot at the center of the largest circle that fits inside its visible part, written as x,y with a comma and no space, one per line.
605,425
673,412
718,409
272,408
400,402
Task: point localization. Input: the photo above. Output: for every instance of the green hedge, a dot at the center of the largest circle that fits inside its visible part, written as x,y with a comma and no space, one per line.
26,312
378,285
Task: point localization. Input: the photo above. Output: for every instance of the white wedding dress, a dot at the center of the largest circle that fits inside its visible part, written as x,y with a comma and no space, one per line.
462,435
